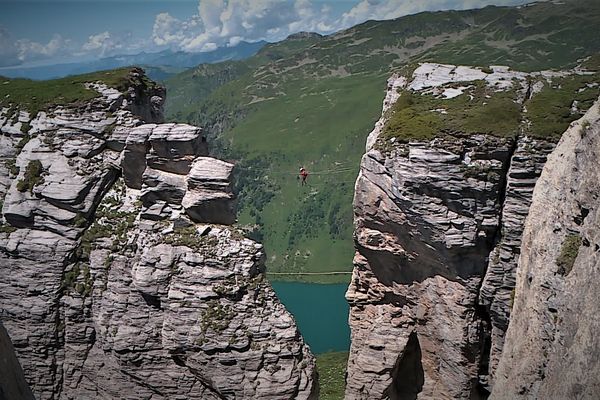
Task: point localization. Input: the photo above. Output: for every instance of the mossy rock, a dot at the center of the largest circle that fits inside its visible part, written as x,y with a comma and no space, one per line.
35,96
479,110
32,177
568,254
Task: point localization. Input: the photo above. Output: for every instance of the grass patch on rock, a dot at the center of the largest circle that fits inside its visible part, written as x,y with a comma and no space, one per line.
215,318
35,96
11,165
568,254
32,177
479,110
109,221
5,228
79,279
188,236
561,102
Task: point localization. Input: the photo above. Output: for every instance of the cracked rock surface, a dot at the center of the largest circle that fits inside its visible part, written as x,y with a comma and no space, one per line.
121,275
438,227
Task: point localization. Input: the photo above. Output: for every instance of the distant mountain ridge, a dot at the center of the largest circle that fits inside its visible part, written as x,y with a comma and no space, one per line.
312,100
158,65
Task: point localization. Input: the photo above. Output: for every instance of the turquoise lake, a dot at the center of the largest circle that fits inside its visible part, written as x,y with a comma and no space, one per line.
321,313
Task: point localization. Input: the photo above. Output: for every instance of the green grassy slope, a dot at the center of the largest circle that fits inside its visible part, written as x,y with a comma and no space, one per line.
312,101
332,371
481,110
34,96
528,38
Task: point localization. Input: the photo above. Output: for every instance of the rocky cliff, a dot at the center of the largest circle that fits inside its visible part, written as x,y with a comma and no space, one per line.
121,274
552,345
440,202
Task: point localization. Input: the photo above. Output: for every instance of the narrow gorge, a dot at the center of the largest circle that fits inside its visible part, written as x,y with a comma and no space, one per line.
126,275
122,276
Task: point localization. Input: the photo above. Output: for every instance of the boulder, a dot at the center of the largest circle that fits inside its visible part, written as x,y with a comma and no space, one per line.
134,155
166,147
159,185
209,196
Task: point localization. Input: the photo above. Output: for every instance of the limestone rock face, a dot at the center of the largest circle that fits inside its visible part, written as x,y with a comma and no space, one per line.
438,227
498,285
423,232
552,345
117,281
167,147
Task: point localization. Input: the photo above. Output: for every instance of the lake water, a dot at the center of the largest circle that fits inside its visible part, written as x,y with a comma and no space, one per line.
321,313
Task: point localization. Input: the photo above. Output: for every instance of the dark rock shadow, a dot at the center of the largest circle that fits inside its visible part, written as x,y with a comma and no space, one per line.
408,376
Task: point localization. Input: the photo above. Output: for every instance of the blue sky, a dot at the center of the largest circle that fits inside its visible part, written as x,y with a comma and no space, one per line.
38,32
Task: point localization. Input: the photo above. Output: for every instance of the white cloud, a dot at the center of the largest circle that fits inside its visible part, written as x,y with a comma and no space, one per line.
228,22
58,49
15,52
97,42
9,54
167,30
107,44
31,51
102,45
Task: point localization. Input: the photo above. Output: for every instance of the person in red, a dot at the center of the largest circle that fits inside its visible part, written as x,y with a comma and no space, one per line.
303,175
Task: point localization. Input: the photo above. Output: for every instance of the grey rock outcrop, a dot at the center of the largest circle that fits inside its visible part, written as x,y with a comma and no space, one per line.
167,147
552,345
438,227
209,195
113,286
423,232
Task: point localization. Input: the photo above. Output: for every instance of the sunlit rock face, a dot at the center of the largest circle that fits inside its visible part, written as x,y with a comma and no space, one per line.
122,276
438,226
423,234
552,344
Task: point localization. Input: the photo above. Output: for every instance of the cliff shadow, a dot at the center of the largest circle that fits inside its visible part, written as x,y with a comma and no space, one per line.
408,376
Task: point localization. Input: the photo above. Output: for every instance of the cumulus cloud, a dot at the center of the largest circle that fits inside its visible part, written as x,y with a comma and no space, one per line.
31,51
9,54
15,52
227,22
100,43
390,9
105,44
